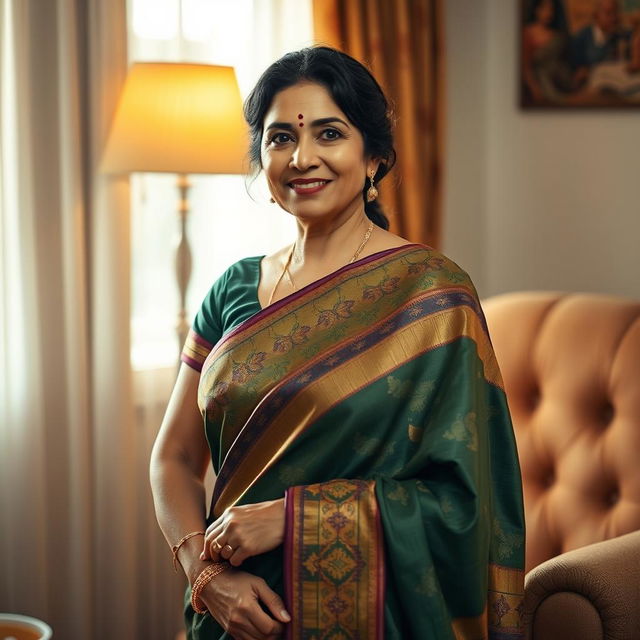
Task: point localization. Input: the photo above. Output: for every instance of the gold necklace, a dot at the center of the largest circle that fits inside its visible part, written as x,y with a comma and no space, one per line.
286,271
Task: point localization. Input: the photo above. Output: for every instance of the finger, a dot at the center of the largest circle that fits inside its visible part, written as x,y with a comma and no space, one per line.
272,601
216,524
212,533
245,627
264,624
227,551
238,557
212,547
207,552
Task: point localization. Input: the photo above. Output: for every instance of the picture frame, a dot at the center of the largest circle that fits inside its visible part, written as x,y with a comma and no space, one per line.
579,53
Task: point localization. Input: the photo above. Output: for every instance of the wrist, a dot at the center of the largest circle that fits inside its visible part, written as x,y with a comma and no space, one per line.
280,505
175,549
205,577
189,558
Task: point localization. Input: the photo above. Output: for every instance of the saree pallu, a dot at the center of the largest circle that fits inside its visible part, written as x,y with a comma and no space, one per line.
373,402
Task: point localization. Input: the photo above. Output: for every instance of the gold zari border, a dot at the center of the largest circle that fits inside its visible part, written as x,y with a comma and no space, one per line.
343,381
503,615
336,569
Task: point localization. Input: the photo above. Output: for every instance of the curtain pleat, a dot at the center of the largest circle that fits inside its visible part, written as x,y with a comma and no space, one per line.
74,512
401,42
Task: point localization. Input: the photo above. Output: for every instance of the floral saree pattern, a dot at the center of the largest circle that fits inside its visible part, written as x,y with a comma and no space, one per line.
372,401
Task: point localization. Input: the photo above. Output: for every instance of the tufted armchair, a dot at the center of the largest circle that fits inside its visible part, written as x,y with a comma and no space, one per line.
571,366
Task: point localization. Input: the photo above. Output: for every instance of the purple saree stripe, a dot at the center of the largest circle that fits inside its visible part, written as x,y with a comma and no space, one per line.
431,302
293,543
276,306
194,364
507,634
199,339
300,542
382,579
289,497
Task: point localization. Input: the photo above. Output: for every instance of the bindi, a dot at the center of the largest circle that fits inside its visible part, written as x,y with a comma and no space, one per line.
300,116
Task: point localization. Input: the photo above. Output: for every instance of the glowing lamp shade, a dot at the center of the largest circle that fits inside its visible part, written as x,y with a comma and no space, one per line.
178,118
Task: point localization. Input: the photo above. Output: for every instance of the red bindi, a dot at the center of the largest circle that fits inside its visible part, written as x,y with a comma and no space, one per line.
301,124
300,116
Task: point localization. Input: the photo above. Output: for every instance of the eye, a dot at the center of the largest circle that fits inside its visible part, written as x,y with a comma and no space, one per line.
279,138
330,134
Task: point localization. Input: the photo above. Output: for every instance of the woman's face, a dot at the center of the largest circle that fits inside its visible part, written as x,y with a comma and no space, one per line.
544,12
312,155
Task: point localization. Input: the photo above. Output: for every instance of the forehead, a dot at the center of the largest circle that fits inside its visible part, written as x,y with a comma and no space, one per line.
311,100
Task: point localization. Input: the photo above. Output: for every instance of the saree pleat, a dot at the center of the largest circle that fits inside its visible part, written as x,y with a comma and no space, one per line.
372,400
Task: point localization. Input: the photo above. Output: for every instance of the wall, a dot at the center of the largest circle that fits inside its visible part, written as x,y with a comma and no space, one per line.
534,200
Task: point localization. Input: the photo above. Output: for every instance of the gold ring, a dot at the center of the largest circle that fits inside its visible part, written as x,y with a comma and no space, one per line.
228,546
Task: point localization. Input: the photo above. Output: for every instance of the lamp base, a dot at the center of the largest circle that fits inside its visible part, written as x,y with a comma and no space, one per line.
183,258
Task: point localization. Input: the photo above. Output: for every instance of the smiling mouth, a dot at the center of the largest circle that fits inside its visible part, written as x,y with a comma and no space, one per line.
308,187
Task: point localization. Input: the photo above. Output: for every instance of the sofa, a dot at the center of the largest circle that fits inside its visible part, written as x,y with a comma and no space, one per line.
571,369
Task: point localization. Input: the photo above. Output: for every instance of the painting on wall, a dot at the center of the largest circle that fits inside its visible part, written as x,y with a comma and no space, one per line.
580,53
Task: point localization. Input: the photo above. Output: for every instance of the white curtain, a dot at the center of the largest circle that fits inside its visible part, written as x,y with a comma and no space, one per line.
73,488
79,546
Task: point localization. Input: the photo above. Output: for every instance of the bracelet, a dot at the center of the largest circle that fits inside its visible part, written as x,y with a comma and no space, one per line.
205,577
178,544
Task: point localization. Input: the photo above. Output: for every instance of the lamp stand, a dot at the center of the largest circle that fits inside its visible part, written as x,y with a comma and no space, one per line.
183,259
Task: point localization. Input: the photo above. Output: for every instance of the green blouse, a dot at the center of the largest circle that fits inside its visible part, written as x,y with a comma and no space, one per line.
232,299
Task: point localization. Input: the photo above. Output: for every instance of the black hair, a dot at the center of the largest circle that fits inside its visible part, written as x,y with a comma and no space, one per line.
352,88
559,21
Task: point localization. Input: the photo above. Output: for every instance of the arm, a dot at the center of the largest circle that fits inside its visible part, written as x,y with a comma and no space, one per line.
178,464
179,461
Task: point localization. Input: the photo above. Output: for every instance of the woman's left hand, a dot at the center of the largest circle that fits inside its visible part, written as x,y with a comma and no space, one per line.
245,531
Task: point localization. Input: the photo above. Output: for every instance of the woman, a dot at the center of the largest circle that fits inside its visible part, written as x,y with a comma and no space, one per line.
546,71
367,479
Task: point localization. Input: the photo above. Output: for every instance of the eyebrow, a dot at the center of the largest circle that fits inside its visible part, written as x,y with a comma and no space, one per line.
315,123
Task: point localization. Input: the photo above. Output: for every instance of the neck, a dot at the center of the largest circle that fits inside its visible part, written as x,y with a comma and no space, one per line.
329,243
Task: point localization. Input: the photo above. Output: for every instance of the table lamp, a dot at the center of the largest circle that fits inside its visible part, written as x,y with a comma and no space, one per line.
178,118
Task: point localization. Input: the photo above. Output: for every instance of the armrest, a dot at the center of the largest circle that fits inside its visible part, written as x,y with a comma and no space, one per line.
586,594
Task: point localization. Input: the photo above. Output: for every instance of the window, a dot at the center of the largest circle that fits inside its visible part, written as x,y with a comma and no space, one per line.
225,223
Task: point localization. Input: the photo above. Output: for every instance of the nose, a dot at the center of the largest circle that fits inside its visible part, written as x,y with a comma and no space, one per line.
304,156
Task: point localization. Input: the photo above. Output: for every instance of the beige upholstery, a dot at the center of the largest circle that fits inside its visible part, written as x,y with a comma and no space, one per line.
571,366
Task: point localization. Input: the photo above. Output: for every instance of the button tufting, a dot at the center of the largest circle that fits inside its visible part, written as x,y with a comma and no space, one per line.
534,399
613,497
606,413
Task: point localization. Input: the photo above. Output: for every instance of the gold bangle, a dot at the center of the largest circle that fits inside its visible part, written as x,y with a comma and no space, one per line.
178,544
203,579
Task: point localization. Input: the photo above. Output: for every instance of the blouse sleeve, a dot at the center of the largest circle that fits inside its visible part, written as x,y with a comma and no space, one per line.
207,326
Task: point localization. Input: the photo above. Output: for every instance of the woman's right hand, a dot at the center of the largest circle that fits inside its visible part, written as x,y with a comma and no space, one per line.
233,599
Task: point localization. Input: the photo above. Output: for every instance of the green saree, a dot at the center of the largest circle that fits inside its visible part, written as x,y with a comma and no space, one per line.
373,402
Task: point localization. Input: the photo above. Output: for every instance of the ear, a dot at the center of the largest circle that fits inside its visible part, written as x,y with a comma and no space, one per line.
372,165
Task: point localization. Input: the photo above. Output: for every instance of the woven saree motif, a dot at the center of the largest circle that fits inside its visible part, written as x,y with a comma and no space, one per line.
372,401
334,541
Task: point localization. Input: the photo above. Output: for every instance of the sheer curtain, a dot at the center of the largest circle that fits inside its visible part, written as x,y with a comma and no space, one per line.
79,546
66,455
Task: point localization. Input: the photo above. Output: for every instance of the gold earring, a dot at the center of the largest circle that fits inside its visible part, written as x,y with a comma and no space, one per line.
372,192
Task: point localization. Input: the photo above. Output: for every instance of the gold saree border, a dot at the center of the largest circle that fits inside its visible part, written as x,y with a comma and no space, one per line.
195,350
334,561
251,360
386,355
292,303
502,617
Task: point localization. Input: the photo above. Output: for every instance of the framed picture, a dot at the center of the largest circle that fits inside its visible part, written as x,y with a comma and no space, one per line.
580,53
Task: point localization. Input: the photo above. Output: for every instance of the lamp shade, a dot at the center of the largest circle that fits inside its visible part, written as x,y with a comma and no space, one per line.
178,118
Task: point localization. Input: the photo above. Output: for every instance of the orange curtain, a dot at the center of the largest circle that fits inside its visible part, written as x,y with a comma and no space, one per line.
402,44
